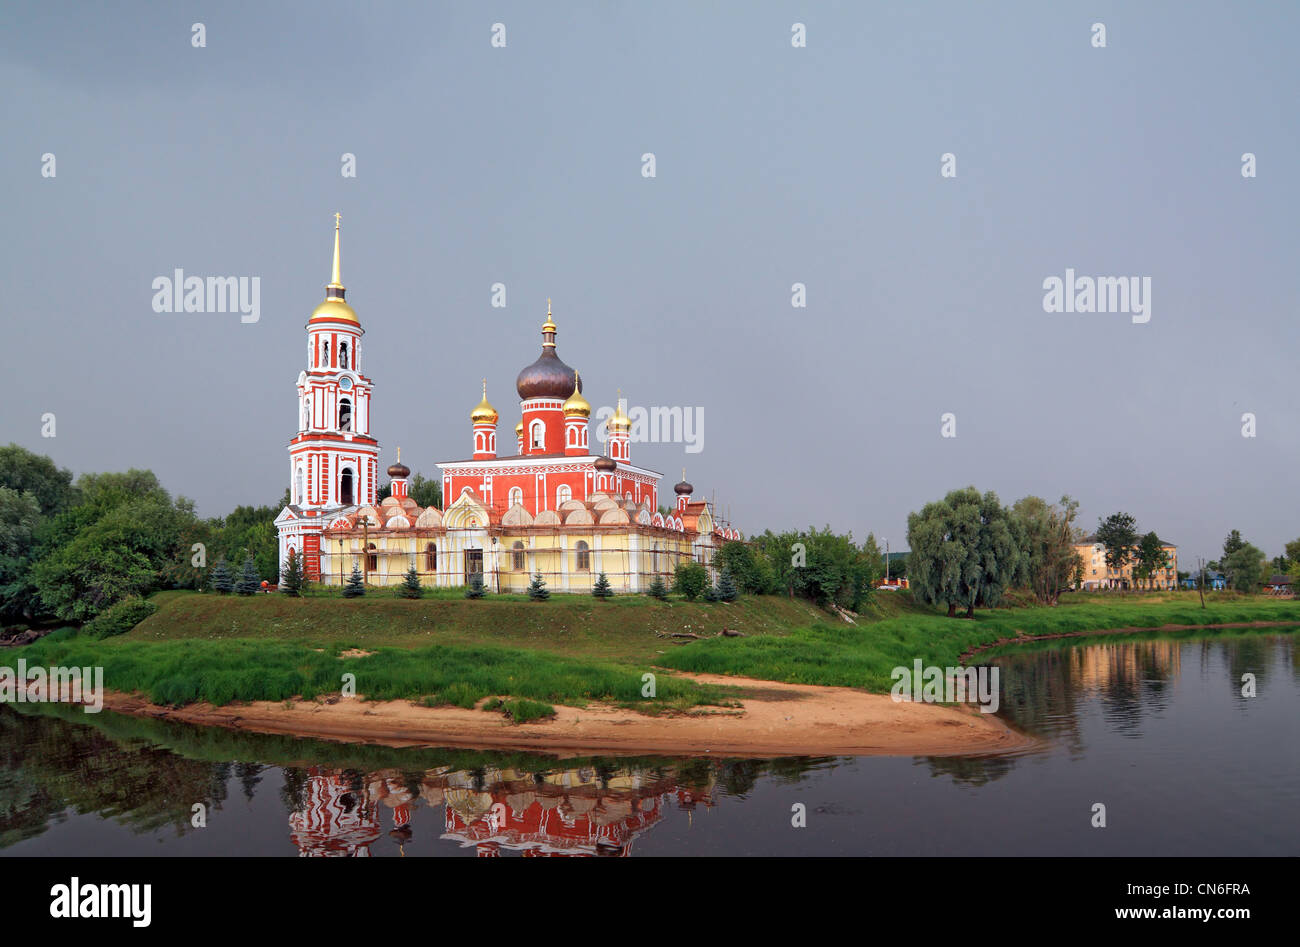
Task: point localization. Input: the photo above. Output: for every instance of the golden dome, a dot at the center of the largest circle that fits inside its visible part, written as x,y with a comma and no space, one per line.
576,406
483,412
519,429
620,421
334,307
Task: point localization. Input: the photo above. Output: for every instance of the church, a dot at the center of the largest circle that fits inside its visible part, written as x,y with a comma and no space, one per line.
553,507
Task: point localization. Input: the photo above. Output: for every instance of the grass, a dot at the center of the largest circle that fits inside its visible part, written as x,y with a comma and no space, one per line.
180,672
864,655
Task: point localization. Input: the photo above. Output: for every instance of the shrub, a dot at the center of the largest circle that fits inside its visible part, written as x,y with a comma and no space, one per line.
222,579
727,591
119,619
690,579
292,578
475,589
658,589
602,588
249,581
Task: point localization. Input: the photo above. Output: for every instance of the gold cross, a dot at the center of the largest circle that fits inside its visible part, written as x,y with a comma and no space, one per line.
336,221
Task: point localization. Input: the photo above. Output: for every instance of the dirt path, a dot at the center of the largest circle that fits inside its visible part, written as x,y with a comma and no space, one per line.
775,720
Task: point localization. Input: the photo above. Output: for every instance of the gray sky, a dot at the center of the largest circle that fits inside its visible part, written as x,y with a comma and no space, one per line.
775,165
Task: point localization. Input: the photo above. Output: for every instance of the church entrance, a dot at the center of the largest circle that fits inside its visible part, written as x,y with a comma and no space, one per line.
473,564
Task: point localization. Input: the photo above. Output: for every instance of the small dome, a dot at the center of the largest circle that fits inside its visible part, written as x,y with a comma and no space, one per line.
548,377
519,429
683,489
335,309
483,412
619,421
399,471
576,406
605,464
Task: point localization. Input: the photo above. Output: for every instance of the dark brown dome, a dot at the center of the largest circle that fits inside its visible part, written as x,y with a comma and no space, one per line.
605,464
548,377
399,471
683,489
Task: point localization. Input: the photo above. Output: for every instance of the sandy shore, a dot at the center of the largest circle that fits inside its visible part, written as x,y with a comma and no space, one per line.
775,720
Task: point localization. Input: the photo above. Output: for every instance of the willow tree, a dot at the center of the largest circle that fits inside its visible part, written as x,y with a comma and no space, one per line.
965,551
1047,537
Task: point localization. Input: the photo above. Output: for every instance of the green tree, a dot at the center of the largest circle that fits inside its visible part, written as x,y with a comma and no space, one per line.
1293,551
25,472
658,589
292,577
1232,543
355,586
751,571
964,551
1047,537
1151,558
690,579
475,588
1118,533
602,589
1244,568
249,581
20,516
222,579
410,587
537,589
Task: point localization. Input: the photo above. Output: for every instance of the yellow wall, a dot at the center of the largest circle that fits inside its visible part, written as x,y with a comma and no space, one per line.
1097,573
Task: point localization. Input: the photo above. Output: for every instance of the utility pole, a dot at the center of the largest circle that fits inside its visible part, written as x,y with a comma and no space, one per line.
1200,581
365,551
886,561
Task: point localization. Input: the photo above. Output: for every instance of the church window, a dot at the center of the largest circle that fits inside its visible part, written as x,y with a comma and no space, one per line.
516,496
325,353
345,487
562,494
343,355
538,432
517,557
372,558
297,494
345,415
582,557
431,558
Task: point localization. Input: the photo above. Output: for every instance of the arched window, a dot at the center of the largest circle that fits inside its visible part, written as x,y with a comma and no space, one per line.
516,496
345,487
345,415
372,558
478,442
537,433
297,484
431,558
582,557
517,559
306,414
343,355
562,494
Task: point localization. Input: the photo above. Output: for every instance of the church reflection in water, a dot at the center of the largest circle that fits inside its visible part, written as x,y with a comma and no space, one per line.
561,812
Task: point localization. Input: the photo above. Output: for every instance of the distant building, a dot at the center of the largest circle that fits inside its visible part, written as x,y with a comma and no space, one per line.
1279,584
1097,574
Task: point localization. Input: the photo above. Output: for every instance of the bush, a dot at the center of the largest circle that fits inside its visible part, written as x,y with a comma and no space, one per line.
602,588
119,619
537,589
727,591
222,580
475,589
690,580
292,578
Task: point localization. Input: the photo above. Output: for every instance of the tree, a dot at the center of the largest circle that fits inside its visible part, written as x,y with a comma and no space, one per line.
1118,533
475,588
1047,537
727,590
411,587
20,516
1245,568
820,565
711,592
222,579
1151,558
750,570
964,551
658,589
537,589
249,581
293,577
355,587
1293,551
689,579
1232,543
25,472
602,588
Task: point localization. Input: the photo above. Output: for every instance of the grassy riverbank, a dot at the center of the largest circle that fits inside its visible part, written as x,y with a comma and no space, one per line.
569,650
